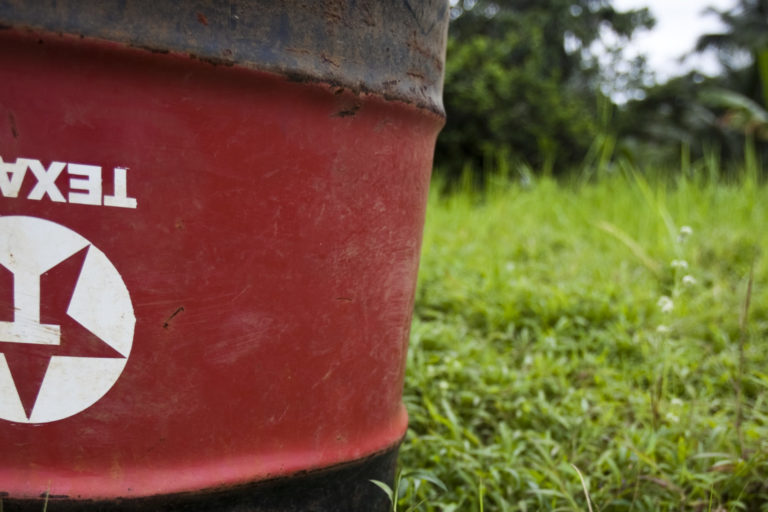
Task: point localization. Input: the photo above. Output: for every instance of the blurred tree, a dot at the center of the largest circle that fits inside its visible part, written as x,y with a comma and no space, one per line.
743,52
743,48
523,80
720,115
671,116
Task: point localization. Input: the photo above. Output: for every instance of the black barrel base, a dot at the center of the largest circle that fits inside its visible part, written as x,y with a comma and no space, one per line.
345,488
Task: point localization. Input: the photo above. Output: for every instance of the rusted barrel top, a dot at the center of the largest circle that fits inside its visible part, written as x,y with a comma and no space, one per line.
394,48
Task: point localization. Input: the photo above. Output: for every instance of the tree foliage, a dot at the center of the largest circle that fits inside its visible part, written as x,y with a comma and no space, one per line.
523,80
672,116
745,102
746,35
722,115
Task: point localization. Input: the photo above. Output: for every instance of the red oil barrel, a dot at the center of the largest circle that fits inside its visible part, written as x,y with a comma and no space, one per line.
210,224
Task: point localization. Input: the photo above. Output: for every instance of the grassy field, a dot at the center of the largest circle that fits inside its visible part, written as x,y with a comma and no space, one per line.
606,329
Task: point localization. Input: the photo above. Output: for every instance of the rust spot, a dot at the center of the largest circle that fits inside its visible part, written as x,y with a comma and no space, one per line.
368,15
438,63
389,83
414,45
329,60
213,61
301,51
227,52
167,323
334,12
202,19
150,49
12,123
348,112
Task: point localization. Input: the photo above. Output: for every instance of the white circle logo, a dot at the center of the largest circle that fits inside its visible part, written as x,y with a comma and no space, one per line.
66,321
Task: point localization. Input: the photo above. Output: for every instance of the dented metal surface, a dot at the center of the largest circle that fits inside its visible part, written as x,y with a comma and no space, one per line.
394,48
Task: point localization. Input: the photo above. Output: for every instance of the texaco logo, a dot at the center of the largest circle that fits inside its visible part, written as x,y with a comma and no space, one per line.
66,321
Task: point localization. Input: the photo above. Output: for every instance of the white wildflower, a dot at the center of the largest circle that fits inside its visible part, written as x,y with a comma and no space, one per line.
679,264
662,329
676,402
665,304
672,418
443,384
689,280
685,232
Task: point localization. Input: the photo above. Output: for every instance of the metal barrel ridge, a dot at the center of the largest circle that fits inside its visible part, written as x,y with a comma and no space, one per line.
210,226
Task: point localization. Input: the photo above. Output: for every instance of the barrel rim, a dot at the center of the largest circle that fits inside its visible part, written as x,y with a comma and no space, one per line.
393,49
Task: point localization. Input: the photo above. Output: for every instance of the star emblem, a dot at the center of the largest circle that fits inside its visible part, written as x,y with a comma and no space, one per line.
28,361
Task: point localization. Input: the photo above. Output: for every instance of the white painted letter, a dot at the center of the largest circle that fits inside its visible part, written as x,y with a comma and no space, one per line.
11,177
120,197
91,185
46,179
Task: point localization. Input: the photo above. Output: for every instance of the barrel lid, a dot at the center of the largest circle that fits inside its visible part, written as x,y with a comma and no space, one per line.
394,48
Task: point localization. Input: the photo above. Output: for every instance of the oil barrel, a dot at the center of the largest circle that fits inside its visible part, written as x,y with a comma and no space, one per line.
210,225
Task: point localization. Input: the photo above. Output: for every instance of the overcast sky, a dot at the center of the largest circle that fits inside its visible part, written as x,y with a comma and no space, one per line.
678,24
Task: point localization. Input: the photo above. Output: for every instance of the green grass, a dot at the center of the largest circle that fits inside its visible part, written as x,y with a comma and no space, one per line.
542,347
